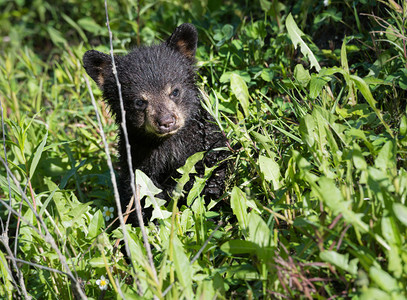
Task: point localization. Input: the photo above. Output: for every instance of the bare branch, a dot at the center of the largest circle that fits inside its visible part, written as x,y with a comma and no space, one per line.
129,159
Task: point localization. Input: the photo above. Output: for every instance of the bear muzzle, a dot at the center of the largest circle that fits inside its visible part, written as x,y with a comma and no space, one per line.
166,125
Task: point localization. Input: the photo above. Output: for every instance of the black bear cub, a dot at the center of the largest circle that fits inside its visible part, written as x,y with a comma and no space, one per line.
165,121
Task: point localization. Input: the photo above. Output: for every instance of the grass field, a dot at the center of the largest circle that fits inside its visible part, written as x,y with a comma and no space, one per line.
312,98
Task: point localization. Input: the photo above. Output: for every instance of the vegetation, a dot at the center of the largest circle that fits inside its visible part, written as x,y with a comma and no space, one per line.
312,98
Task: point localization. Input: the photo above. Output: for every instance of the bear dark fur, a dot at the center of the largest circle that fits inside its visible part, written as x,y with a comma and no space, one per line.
165,121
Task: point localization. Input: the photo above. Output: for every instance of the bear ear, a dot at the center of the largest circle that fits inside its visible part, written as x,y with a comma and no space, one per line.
97,65
184,39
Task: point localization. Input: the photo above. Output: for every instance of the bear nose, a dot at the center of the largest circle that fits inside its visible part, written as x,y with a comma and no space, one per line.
166,123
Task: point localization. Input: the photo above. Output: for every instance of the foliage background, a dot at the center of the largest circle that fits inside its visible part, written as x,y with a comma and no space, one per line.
312,97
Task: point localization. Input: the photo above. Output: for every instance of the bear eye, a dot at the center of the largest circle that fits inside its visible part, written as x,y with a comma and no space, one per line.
140,104
175,93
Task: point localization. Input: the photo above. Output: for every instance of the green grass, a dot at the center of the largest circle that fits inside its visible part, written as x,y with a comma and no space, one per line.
312,100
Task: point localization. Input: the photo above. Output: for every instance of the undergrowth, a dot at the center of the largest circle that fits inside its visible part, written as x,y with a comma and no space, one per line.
311,96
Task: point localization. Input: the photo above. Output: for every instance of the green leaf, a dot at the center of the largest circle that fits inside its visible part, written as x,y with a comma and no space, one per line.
340,260
364,89
96,225
187,169
37,155
148,189
403,126
56,36
239,89
5,275
385,158
374,294
271,171
75,26
267,75
227,31
90,25
390,231
265,5
137,250
383,279
302,75
259,232
400,211
295,34
316,85
182,267
239,207
97,262
239,247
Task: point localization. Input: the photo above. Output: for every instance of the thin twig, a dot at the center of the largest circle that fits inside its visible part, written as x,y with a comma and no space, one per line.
129,159
37,265
206,243
112,176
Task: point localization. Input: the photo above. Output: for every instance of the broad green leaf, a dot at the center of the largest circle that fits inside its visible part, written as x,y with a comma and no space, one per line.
77,213
137,250
358,159
239,207
227,31
219,284
148,189
270,170
183,267
340,260
374,294
239,247
205,290
395,261
403,126
259,232
316,84
295,34
307,128
187,169
239,89
265,5
37,155
90,25
383,279
199,184
97,262
390,231
302,75
96,225
385,158
400,211
267,75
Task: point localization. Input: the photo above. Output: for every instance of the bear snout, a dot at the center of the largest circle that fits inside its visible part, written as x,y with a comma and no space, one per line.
167,124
